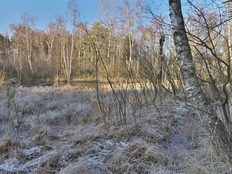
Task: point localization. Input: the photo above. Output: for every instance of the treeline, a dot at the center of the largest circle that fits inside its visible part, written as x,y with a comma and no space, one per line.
68,49
122,44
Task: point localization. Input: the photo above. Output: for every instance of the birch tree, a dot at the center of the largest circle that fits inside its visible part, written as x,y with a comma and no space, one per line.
67,38
49,40
130,18
28,22
72,6
23,33
110,14
16,56
218,131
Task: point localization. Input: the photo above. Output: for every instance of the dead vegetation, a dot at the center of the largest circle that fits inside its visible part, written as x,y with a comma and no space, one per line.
47,130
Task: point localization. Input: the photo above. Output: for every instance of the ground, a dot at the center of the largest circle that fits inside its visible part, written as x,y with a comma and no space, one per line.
46,130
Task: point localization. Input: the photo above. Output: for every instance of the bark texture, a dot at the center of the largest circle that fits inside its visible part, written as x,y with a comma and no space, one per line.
220,136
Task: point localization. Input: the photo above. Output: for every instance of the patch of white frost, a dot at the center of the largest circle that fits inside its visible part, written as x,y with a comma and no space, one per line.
13,165
36,161
123,144
30,153
10,165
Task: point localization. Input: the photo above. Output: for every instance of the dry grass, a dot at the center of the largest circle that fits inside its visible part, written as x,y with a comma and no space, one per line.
6,143
2,78
61,131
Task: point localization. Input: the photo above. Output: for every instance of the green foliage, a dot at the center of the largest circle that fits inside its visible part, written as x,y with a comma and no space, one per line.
98,31
95,35
4,44
10,93
126,46
1,41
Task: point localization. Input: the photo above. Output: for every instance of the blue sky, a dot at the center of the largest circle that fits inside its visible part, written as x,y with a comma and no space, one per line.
44,10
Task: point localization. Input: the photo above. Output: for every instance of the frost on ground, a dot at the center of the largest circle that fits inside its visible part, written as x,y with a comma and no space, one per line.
60,130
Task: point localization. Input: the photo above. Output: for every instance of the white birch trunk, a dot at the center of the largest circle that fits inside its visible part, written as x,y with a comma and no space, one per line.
217,131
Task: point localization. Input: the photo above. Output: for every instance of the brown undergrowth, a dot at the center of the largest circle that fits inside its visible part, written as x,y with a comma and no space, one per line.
60,130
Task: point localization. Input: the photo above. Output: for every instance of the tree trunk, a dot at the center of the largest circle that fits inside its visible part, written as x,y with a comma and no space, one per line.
216,129
161,58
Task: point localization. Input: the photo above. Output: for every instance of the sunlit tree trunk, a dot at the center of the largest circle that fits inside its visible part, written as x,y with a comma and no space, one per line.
28,42
18,62
130,23
217,131
50,43
73,11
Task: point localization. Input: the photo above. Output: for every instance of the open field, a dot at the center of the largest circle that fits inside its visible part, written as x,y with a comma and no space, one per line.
47,130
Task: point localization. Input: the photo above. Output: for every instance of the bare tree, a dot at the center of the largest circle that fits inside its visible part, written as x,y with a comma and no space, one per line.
217,130
67,38
109,13
28,22
16,55
49,40
22,43
130,18
73,9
